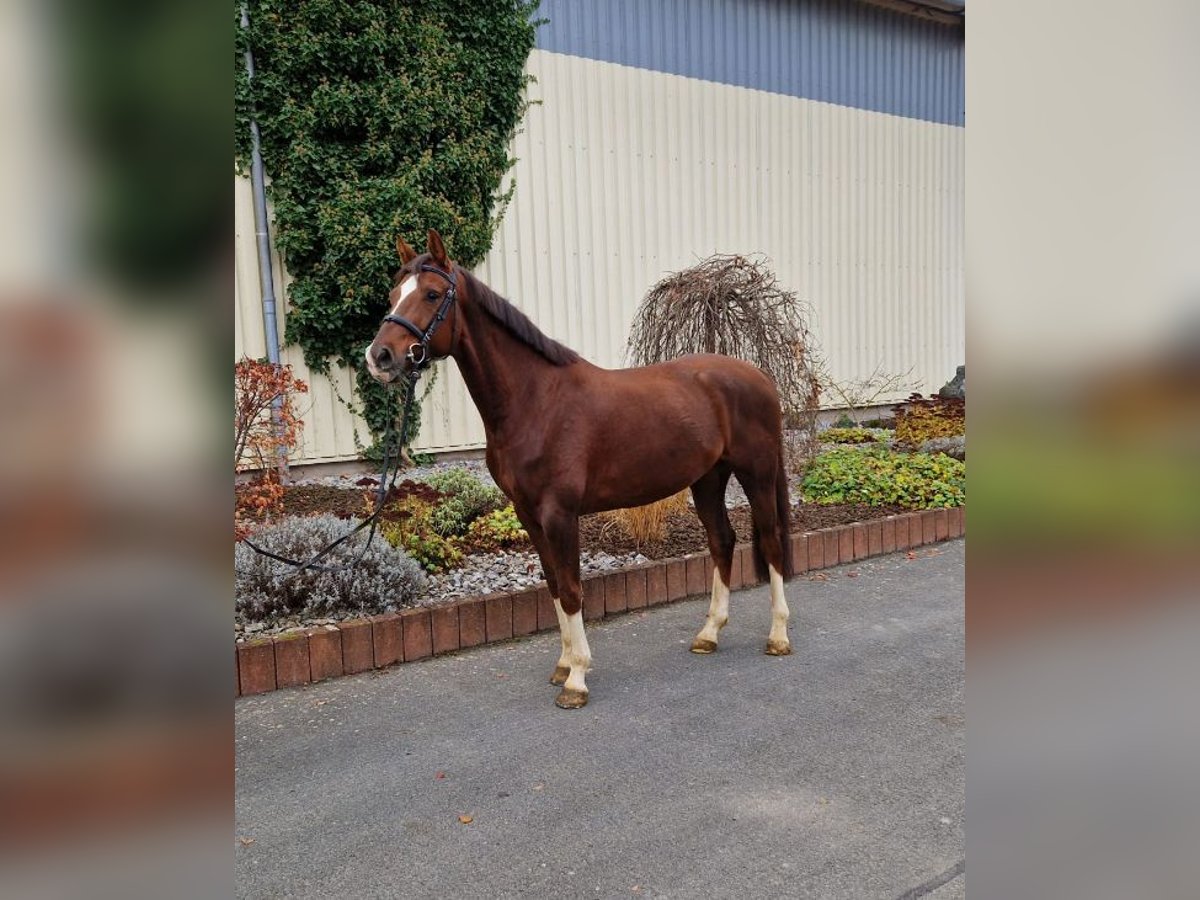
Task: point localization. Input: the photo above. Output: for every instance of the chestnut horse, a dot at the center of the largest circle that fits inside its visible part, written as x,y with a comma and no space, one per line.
566,438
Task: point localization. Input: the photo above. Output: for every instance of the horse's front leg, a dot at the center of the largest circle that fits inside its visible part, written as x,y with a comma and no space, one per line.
561,531
534,529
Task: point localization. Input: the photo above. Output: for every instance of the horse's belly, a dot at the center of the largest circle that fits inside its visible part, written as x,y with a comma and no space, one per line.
652,471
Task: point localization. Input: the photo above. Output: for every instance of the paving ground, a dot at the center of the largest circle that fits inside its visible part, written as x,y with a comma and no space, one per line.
835,772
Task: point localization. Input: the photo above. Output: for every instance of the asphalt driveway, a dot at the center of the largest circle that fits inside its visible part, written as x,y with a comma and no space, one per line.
835,772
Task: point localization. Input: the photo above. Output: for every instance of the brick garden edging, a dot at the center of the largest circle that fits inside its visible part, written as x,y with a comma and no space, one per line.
358,645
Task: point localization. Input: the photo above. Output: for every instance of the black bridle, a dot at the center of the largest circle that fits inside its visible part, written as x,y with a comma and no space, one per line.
425,336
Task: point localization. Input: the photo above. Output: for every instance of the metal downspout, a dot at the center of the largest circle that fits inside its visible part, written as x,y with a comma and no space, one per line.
262,235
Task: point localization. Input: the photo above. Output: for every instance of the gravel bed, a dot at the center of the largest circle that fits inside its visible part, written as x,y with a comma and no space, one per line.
501,572
476,467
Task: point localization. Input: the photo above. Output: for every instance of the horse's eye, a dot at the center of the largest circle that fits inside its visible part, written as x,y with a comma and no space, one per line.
431,295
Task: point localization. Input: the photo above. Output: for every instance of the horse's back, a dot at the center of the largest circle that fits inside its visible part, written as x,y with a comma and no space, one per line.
724,379
697,394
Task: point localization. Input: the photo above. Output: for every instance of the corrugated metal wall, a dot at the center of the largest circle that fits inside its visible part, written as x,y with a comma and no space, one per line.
837,51
626,174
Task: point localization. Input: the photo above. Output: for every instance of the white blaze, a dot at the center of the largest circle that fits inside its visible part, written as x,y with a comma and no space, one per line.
407,286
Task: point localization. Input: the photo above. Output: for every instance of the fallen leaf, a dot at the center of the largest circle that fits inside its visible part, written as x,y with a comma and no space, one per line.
245,841
851,574
466,820
538,787
439,775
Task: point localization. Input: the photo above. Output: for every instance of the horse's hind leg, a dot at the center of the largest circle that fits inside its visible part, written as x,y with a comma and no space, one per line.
760,490
709,496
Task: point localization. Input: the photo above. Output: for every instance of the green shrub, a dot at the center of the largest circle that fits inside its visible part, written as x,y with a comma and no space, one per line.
378,118
922,419
848,436
496,530
434,552
878,476
466,499
409,525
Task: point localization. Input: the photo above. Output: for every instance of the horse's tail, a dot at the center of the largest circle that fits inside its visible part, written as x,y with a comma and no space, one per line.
783,524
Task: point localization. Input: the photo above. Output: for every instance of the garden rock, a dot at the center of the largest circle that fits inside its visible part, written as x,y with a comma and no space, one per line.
956,388
955,447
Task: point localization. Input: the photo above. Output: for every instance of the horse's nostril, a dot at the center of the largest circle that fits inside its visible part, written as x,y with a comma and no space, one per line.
383,357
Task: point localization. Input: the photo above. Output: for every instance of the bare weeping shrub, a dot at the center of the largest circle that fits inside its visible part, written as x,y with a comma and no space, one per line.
383,580
648,524
734,305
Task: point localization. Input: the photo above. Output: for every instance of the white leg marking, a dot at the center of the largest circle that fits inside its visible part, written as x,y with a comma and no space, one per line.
779,610
579,652
564,658
407,286
718,609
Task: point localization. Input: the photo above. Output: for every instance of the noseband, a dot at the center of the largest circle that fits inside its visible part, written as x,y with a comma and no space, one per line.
425,336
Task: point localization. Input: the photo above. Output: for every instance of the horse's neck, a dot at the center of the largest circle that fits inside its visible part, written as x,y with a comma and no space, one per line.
503,374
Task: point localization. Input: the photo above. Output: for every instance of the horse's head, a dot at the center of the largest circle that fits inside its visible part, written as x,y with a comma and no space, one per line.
422,320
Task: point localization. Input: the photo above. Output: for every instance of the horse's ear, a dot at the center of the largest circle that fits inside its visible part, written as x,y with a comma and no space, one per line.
438,250
407,253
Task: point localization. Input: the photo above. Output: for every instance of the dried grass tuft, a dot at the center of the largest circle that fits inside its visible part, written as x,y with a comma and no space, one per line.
648,524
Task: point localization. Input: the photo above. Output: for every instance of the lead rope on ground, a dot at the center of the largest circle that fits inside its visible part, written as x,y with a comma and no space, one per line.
391,436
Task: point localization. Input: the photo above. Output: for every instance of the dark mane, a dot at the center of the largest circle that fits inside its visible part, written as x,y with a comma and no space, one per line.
517,323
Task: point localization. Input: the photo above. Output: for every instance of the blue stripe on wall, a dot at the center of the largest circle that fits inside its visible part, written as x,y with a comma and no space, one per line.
835,51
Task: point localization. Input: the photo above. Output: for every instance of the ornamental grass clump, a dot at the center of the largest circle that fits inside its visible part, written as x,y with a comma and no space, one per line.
878,476
648,524
383,580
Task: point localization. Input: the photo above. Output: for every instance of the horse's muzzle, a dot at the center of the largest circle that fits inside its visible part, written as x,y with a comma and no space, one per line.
385,366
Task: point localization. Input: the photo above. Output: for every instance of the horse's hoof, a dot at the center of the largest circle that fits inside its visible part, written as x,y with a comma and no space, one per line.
559,678
703,645
569,699
779,648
